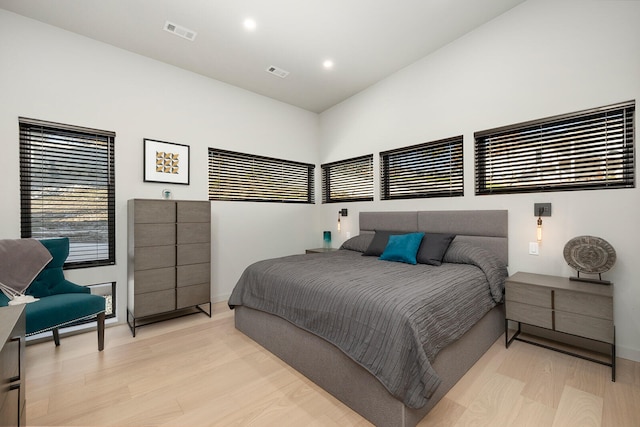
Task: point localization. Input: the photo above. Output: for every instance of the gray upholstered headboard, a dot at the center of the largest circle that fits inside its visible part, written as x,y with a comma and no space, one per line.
484,228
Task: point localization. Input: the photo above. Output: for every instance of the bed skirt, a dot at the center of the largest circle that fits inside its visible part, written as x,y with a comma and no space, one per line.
331,369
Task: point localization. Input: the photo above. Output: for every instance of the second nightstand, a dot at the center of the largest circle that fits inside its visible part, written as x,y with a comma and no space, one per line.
559,304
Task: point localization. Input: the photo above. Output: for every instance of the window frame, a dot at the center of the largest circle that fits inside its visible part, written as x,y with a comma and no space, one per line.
250,186
37,153
352,184
578,144
455,174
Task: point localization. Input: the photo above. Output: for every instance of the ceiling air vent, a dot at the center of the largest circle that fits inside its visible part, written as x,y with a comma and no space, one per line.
277,72
179,31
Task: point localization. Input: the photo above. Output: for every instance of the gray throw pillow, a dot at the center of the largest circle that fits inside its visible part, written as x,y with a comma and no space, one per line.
433,248
358,243
379,242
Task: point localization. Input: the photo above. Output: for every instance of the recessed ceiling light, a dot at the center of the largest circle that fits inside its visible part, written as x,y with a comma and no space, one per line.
328,64
250,24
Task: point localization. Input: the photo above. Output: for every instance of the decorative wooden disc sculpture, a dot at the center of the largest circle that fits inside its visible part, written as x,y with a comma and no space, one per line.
590,255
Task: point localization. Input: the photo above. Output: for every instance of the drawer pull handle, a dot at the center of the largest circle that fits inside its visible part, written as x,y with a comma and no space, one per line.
14,387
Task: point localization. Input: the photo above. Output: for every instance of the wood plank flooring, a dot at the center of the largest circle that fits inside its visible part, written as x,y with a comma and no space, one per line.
196,371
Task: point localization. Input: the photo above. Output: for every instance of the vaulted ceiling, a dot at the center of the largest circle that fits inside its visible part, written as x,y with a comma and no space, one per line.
365,40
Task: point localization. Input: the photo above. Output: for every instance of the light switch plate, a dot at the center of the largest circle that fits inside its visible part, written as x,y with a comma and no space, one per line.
533,248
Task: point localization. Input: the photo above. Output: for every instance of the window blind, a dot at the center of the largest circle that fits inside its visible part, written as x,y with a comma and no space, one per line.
433,169
348,180
592,149
250,178
67,189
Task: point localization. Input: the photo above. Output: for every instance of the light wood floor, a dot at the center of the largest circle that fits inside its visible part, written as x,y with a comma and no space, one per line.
196,371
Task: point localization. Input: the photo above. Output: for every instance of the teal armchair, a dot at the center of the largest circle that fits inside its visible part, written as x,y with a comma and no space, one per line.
60,301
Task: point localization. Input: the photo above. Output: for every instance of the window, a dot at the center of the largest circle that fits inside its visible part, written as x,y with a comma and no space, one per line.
586,150
248,178
67,189
348,180
433,169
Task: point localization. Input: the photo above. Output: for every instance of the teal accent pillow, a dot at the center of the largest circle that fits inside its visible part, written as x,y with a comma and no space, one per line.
402,248
379,242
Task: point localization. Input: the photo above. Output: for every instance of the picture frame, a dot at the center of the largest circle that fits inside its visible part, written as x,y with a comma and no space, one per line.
166,162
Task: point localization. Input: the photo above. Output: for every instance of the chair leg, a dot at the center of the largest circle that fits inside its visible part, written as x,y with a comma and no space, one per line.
101,331
56,337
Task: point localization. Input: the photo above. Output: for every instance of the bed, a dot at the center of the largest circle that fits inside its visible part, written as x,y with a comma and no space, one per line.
389,366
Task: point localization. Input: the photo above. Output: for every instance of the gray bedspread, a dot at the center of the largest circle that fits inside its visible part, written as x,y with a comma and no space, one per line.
389,317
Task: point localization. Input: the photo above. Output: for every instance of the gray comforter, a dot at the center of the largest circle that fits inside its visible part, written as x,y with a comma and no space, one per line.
391,318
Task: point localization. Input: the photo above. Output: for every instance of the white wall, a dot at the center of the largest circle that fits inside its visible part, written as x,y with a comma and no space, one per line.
50,74
540,59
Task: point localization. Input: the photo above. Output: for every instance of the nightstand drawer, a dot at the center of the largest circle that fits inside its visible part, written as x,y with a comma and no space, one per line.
537,316
587,304
584,326
530,295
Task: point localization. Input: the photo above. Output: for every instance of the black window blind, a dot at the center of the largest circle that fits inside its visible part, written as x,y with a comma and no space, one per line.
433,169
67,189
348,180
592,149
246,177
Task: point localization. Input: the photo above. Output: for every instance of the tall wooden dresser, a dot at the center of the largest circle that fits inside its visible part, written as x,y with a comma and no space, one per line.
169,259
12,366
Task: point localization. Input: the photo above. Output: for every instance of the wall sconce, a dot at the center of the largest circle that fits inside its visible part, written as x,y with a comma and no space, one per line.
539,230
540,210
341,213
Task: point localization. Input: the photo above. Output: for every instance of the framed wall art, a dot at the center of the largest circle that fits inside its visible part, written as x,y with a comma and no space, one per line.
166,162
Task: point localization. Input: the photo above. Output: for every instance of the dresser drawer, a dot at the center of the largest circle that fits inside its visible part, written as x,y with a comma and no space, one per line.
154,211
155,235
194,232
531,295
197,253
194,211
193,274
585,326
586,304
155,303
531,314
155,257
158,279
188,296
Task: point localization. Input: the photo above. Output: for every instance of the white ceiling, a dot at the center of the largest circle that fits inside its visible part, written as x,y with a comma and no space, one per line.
367,39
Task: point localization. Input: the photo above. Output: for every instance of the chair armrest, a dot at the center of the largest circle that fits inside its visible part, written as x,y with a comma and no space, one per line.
67,287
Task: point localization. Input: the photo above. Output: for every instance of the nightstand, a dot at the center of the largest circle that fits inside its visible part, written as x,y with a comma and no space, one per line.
556,303
319,250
